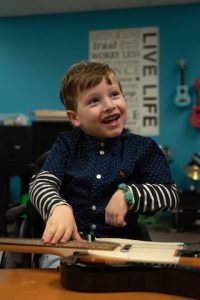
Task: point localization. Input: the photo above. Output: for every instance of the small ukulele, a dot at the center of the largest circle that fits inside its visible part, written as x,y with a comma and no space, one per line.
182,98
195,118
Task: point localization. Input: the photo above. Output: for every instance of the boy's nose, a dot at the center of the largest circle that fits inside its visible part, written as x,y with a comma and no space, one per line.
109,104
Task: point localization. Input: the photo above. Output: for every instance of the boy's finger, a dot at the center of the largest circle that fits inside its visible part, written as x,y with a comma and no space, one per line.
76,235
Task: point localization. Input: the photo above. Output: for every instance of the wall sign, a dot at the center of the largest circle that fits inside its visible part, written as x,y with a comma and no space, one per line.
133,54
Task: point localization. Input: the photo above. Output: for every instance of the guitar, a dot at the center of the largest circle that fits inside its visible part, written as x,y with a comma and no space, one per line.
108,265
195,117
182,97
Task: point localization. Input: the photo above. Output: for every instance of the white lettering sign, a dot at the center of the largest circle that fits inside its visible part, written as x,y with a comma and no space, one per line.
133,54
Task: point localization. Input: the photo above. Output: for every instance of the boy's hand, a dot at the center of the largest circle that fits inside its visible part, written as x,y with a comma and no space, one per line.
116,210
61,226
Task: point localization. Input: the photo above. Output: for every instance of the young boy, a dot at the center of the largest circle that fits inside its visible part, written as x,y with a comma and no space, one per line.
98,178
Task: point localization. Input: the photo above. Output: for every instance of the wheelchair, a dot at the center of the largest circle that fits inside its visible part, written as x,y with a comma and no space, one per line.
27,223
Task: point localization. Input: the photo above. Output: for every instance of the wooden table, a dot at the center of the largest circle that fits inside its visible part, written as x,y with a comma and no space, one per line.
40,284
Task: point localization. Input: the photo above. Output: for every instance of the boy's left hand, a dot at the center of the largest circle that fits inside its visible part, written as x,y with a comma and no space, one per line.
116,210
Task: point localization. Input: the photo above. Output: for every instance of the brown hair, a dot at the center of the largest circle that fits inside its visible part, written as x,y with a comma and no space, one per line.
82,76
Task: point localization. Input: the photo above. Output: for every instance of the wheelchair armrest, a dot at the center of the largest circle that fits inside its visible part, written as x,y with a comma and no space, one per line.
15,212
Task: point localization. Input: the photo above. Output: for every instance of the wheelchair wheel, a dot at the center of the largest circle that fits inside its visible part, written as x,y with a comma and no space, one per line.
8,261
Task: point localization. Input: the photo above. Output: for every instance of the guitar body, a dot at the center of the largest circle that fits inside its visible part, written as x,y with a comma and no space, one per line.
182,96
195,118
79,275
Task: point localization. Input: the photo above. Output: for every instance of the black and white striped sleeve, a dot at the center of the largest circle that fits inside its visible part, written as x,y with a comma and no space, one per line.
150,198
44,193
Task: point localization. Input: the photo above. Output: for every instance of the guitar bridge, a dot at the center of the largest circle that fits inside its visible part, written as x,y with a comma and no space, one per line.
126,248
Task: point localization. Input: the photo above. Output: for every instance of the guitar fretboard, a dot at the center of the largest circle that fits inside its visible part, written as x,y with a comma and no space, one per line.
71,244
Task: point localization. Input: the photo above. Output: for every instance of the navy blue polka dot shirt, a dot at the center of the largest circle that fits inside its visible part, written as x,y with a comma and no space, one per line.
84,172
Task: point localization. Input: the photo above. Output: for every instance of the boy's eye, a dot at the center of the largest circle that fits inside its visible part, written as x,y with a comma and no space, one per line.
115,94
93,100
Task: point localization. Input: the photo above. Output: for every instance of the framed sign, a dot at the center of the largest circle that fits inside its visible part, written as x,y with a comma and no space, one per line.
133,54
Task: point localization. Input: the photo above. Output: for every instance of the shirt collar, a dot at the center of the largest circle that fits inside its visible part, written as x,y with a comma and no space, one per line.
112,144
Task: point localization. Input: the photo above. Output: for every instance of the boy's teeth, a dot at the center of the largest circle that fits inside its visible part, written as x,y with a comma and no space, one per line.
110,118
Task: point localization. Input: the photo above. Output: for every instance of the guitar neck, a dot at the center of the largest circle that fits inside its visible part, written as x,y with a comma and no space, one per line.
181,65
197,91
111,250
193,262
182,75
60,249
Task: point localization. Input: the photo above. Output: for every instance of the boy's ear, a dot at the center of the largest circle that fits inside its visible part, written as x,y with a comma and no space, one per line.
72,117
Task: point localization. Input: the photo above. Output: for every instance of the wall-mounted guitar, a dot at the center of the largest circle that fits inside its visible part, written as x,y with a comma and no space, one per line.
195,117
182,98
113,265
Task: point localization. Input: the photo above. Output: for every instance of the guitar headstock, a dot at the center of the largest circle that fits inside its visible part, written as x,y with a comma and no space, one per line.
181,63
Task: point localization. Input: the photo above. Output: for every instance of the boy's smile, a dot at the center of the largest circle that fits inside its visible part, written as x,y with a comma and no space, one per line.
101,110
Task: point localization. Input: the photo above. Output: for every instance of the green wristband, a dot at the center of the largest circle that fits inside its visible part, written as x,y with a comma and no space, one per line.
127,194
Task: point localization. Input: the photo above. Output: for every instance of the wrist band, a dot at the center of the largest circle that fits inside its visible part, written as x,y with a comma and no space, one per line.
127,194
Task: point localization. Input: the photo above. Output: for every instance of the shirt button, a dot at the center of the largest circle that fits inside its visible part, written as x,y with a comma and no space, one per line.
98,176
102,152
94,207
93,226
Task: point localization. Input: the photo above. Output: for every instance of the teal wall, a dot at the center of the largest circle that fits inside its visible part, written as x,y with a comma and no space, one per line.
35,51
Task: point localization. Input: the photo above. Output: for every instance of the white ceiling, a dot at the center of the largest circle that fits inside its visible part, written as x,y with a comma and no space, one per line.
10,8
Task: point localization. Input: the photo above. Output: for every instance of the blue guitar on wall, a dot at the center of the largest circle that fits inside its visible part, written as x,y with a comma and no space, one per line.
182,98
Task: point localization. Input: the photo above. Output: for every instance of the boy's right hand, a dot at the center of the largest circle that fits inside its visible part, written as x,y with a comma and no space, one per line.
61,226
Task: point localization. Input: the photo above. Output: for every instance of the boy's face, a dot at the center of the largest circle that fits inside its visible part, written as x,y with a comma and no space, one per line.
101,110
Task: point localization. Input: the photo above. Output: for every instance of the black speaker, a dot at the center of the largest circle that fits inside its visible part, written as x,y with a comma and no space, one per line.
188,214
45,134
15,144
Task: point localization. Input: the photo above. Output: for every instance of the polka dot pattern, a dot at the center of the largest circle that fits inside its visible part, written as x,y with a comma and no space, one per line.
91,170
